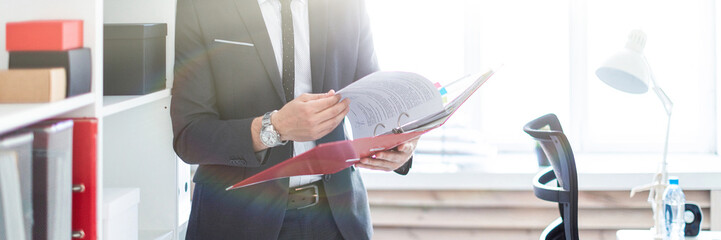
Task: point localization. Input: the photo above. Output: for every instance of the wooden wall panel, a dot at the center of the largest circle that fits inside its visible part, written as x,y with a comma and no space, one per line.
467,198
465,214
476,234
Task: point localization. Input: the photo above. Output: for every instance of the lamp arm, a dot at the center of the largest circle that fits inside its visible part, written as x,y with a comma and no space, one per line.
661,179
664,172
665,100
667,104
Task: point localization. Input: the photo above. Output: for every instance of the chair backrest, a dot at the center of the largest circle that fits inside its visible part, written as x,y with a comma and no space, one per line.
549,134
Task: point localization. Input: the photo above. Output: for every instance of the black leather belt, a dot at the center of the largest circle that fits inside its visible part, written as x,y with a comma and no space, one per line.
303,196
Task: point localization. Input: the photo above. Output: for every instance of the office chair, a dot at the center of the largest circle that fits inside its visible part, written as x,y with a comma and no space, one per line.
547,131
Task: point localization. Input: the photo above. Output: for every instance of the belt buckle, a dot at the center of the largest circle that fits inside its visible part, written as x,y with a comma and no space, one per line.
315,188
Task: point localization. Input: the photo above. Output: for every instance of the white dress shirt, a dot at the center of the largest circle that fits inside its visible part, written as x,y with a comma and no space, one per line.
303,84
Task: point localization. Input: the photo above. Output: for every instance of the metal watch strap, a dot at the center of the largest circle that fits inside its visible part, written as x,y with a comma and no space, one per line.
267,125
266,119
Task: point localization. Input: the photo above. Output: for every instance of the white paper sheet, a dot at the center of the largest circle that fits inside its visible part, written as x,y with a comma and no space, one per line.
382,101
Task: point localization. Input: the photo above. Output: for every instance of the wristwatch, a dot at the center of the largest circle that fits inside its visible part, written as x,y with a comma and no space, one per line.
268,135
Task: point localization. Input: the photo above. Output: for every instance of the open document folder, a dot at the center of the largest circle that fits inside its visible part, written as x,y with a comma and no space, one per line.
386,109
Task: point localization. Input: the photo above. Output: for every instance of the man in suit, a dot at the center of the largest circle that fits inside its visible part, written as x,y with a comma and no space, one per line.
254,86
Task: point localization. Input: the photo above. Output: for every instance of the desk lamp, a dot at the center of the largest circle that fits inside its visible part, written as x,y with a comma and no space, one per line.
629,71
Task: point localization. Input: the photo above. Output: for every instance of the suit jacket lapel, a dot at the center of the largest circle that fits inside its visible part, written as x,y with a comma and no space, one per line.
253,19
318,20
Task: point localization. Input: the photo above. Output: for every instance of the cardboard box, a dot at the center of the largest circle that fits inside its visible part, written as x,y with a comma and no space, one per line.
120,213
32,85
134,58
44,35
76,62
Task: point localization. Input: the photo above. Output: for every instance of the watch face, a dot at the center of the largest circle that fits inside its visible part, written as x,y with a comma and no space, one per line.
268,138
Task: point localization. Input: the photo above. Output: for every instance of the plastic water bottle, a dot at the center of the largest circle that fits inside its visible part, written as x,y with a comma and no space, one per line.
674,204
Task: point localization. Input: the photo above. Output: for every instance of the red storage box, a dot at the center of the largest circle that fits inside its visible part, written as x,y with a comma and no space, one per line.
44,35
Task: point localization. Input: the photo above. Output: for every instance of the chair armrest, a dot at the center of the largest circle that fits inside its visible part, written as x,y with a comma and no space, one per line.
546,192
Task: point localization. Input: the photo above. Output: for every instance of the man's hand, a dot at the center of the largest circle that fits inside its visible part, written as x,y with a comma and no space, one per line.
390,160
310,116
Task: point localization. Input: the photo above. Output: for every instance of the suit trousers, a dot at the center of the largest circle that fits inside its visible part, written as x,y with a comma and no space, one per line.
314,222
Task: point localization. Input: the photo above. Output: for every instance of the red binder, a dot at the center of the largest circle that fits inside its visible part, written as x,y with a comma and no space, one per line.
85,143
44,35
329,158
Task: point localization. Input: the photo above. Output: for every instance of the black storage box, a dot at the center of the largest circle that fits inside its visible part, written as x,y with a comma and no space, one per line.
76,62
134,58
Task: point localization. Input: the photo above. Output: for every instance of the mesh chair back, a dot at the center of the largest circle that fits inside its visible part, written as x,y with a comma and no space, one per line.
549,134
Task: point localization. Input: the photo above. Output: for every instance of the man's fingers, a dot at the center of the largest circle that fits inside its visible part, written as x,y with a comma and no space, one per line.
315,96
405,147
388,160
371,167
378,163
311,96
333,122
333,111
391,156
408,146
323,103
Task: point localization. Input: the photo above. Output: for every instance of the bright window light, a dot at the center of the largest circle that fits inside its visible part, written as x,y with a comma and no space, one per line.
539,44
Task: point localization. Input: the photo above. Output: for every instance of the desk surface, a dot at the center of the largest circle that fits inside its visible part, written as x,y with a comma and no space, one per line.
646,234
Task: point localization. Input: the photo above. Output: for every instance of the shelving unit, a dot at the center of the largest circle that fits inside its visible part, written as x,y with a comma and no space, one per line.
116,104
135,135
14,116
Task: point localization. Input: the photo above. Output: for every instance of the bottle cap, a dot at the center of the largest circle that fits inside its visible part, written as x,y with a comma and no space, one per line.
673,180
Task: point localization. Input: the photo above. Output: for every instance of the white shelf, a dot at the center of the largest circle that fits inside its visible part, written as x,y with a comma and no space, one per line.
15,116
155,235
116,104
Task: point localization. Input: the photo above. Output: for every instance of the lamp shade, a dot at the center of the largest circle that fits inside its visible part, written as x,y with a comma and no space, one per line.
627,71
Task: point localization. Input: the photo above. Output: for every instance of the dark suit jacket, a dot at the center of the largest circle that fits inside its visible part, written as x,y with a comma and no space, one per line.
219,88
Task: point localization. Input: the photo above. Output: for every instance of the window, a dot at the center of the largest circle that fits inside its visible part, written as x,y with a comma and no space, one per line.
550,51
680,51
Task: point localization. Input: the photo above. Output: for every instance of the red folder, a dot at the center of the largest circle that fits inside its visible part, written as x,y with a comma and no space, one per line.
85,143
44,35
329,158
